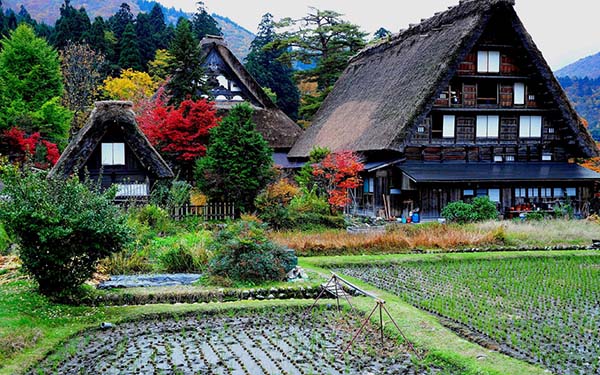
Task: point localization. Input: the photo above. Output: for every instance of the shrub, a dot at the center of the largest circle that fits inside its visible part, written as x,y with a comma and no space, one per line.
63,227
271,204
125,263
244,253
535,216
182,253
152,217
484,209
4,241
179,259
459,212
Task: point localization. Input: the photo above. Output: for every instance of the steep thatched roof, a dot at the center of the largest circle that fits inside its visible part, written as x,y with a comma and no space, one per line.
388,88
275,126
105,115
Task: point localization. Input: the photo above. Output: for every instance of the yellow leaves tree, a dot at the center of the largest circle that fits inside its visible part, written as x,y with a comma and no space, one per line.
159,67
130,85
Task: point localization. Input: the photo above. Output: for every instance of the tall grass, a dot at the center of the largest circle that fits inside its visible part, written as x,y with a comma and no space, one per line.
397,239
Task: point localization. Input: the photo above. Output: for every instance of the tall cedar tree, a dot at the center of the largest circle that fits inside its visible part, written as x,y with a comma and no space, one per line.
130,57
180,134
120,20
204,24
145,39
187,76
238,163
265,67
158,28
72,26
3,22
323,38
96,37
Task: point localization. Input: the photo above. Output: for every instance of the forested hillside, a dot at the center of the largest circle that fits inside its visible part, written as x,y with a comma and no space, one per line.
585,95
587,67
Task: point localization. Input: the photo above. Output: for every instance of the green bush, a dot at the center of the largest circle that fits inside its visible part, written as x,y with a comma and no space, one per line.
63,227
179,259
535,216
182,253
459,212
484,209
244,253
481,209
4,241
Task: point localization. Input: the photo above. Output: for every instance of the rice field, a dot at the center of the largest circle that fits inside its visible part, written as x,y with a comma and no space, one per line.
240,343
543,310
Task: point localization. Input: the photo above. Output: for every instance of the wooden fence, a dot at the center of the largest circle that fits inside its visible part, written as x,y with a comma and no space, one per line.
217,211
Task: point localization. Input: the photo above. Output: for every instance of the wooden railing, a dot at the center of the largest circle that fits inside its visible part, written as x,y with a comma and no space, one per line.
217,211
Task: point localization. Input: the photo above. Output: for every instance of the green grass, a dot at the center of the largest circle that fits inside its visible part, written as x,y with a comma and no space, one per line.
4,240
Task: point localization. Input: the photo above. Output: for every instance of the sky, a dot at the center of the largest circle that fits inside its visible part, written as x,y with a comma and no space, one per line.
565,31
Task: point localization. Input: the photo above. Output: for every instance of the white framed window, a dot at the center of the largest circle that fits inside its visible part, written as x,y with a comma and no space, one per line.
488,62
498,159
571,192
519,93
369,185
132,190
421,129
448,127
510,158
469,193
546,157
113,153
530,127
488,126
494,195
559,193
520,193
533,192
546,192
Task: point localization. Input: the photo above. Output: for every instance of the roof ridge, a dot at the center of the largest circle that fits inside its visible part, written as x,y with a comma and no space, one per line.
439,20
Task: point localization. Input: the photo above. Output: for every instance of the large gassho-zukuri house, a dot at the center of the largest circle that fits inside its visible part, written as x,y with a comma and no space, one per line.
458,106
230,84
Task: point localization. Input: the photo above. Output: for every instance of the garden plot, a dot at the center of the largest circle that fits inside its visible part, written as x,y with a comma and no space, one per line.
544,310
273,343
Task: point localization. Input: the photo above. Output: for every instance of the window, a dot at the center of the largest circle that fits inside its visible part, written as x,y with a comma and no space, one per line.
468,193
488,126
494,195
498,159
113,153
369,185
520,193
132,190
510,158
488,62
550,130
448,127
533,192
421,129
547,157
546,192
519,93
571,192
530,127
487,93
559,193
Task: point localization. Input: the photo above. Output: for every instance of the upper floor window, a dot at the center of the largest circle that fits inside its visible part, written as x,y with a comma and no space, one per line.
530,127
488,62
113,153
448,127
488,126
519,93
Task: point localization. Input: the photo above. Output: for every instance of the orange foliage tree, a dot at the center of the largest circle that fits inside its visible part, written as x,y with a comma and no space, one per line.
593,163
23,147
339,173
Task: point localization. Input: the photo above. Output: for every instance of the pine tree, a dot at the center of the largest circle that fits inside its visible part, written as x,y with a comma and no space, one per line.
187,76
3,22
72,26
158,28
130,56
145,39
265,67
204,24
382,33
238,162
96,37
120,20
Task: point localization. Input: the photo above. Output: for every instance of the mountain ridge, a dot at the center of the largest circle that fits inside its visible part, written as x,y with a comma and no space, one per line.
586,67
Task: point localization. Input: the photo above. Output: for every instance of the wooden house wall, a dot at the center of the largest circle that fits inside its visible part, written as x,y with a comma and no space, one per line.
132,172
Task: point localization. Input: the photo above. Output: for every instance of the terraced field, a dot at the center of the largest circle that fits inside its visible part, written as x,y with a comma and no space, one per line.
544,310
267,343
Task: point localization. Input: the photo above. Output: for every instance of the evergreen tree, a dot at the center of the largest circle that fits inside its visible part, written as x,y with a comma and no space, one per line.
11,20
145,39
382,33
24,17
72,26
130,56
120,20
187,76
158,28
96,37
31,84
204,24
238,162
3,22
265,67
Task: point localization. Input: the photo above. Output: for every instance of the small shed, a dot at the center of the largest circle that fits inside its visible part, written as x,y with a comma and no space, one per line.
112,149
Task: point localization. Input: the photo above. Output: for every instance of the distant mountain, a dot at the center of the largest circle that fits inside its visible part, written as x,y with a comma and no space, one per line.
587,67
237,37
585,95
47,11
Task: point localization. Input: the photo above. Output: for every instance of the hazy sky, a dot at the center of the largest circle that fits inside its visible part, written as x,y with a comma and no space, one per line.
565,31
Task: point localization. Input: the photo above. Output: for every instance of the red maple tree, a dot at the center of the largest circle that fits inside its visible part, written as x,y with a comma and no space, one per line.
339,173
24,147
180,134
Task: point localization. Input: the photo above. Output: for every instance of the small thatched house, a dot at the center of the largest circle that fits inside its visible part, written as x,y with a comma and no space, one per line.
231,84
112,147
458,106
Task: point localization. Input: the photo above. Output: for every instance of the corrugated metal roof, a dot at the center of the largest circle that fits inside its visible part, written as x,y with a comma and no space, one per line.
459,172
